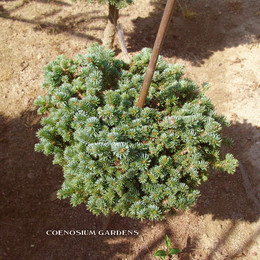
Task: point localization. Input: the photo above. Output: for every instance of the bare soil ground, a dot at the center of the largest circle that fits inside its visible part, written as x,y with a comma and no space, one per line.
218,42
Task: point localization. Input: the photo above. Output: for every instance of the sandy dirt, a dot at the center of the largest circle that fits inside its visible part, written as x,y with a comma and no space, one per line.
217,41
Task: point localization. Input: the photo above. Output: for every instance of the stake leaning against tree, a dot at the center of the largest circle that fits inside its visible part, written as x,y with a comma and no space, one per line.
151,67
156,51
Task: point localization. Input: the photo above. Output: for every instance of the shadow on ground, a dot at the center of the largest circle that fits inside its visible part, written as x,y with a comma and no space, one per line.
198,28
77,25
233,196
29,206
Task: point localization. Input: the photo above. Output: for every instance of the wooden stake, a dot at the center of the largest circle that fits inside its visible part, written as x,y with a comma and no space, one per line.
121,38
110,30
156,50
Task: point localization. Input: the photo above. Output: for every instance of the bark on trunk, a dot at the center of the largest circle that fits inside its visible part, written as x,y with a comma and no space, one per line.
110,30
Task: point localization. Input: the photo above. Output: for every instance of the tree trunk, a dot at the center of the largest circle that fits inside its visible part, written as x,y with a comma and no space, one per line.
110,30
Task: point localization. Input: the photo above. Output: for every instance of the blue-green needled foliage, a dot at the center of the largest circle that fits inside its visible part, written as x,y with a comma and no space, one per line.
116,157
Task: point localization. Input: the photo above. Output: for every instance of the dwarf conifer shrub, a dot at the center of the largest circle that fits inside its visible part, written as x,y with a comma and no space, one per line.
116,157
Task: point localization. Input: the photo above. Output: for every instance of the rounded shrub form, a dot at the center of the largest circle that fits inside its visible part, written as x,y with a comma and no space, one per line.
116,157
